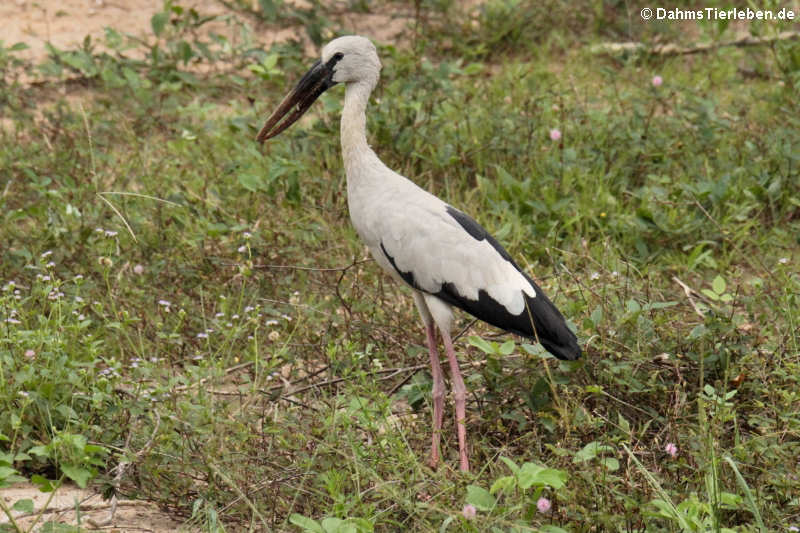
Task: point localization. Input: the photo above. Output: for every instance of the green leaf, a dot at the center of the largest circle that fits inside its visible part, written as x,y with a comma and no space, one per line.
590,451
710,294
158,21
551,529
507,348
528,475
337,525
484,346
624,425
664,509
611,464
44,484
41,451
250,181
503,483
25,506
6,471
510,464
306,523
633,306
79,475
481,498
532,474
718,285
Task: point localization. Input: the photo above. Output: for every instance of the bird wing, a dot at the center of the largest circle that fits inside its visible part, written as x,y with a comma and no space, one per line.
437,246
439,250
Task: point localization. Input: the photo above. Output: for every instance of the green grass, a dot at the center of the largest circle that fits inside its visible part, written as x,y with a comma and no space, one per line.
175,297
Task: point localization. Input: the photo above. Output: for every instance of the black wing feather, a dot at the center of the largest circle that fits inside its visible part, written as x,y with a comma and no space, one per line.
540,321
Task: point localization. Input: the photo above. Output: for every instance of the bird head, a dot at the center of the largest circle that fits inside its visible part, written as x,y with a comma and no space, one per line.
349,59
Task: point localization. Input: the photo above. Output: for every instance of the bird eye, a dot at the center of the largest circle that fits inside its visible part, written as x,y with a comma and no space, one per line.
338,55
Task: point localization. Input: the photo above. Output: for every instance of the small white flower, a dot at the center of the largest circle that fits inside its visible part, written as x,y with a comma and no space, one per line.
202,335
110,233
99,230
219,315
50,264
248,308
271,322
24,394
164,303
594,276
615,274
242,249
138,269
46,254
78,277
78,299
247,234
783,260
235,317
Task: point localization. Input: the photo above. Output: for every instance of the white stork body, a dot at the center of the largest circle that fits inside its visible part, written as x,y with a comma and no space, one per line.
442,254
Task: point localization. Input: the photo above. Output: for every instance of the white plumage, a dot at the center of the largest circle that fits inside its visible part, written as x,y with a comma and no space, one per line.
445,256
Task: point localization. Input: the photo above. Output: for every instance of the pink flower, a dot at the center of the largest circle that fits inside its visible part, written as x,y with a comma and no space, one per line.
657,81
138,269
555,134
544,505
30,354
469,511
671,449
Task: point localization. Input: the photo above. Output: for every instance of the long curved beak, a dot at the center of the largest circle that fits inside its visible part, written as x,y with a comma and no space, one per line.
315,82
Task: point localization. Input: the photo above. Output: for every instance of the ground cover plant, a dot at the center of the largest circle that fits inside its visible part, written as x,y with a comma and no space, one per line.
188,319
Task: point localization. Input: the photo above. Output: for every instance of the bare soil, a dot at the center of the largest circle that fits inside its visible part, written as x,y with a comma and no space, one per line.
130,516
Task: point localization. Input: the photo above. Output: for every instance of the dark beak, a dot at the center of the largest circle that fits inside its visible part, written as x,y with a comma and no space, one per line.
315,82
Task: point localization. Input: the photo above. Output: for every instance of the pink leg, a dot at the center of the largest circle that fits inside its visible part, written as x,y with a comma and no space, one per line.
438,395
460,397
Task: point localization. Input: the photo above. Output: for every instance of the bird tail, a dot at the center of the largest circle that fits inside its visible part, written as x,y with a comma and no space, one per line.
548,326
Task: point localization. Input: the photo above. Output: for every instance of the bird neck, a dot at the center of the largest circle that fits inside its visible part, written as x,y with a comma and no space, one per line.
354,124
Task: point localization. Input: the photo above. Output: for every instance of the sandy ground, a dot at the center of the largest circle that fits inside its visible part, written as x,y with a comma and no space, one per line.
130,515
65,23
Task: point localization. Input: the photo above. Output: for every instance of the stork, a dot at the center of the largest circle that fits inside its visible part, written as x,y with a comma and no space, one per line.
446,257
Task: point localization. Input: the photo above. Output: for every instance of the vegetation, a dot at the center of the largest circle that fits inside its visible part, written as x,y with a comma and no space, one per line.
174,298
